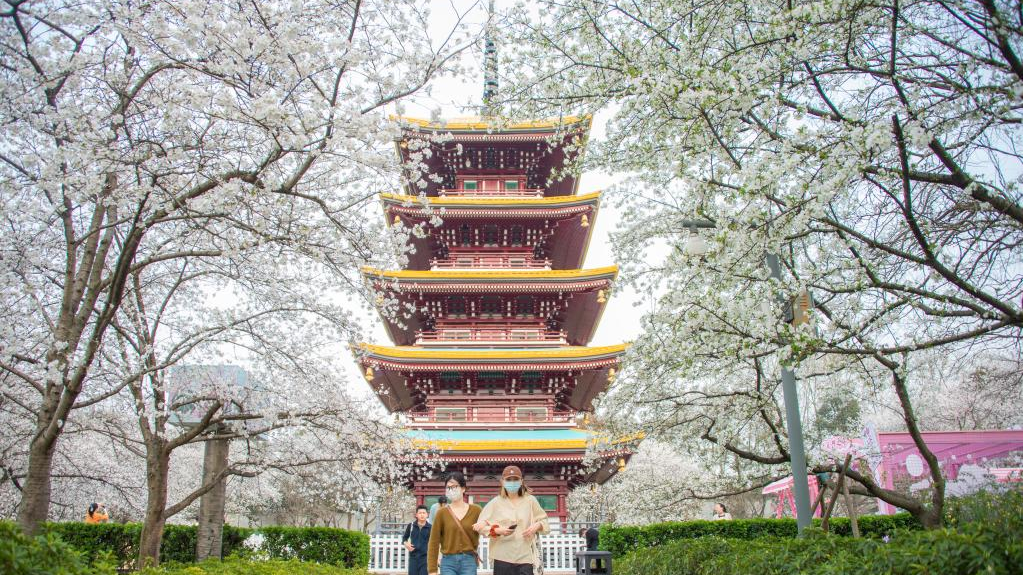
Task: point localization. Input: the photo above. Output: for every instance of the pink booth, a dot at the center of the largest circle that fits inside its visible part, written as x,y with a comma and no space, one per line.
893,458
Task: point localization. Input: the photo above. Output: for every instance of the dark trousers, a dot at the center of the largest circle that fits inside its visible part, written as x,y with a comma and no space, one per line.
417,564
505,568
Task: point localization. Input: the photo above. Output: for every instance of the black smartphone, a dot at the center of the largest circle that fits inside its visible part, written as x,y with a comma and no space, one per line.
513,526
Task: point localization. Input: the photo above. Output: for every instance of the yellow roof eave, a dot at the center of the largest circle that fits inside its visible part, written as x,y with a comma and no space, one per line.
498,445
490,274
492,201
571,352
482,123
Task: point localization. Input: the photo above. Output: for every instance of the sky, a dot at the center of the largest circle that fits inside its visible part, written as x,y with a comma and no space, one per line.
458,96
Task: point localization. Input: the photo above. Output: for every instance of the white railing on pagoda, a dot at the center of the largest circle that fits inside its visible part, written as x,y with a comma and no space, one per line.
518,336
519,193
556,417
388,555
474,262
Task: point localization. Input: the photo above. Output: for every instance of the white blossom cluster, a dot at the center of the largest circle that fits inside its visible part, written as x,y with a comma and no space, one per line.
190,183
873,148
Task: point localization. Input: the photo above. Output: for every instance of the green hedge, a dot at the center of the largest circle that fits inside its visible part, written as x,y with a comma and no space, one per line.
238,566
621,540
974,549
317,544
122,540
44,554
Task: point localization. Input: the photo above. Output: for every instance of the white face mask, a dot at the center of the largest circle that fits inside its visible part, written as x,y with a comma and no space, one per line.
453,494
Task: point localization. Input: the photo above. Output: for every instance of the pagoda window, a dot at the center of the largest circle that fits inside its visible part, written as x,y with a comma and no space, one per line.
547,502
450,381
515,238
531,381
530,413
491,235
450,414
490,306
524,306
511,185
456,306
465,235
490,382
531,377
470,185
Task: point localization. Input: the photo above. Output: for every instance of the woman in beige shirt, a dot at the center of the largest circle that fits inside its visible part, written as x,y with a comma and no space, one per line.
512,521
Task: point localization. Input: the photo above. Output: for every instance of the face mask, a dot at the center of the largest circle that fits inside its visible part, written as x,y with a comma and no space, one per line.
512,486
453,493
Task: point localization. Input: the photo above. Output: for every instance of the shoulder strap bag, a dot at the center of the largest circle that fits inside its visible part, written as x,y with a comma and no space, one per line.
465,534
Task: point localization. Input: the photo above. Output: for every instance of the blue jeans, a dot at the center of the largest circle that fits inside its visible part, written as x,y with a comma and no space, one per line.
461,564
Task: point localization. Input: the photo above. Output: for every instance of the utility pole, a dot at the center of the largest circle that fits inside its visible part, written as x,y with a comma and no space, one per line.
790,395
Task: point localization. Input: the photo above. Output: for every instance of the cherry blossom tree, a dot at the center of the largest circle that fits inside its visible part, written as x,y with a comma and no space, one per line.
656,486
871,147
137,134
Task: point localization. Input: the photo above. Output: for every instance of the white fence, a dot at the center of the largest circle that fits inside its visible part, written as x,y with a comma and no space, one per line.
387,554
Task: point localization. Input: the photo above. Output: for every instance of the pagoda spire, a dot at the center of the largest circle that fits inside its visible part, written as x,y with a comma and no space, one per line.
489,65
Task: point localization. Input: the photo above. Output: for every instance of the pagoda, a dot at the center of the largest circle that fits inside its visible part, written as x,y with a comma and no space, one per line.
490,364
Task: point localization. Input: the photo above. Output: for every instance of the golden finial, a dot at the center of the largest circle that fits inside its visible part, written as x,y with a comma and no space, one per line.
611,375
369,374
585,223
601,297
397,219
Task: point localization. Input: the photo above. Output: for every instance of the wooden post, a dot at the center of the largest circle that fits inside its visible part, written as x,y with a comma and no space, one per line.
821,488
851,511
839,486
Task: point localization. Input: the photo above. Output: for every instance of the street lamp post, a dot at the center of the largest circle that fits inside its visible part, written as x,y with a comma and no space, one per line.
790,395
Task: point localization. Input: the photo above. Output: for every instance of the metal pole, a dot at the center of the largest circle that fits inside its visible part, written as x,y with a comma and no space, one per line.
794,425
793,421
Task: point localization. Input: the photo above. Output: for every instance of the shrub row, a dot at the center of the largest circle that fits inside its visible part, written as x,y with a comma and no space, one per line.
48,555
43,555
122,539
327,545
974,549
317,544
621,540
238,566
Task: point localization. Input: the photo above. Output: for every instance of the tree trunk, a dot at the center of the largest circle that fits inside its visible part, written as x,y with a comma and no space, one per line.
35,495
157,469
211,505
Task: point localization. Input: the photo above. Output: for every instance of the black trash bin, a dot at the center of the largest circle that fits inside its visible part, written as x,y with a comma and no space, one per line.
593,562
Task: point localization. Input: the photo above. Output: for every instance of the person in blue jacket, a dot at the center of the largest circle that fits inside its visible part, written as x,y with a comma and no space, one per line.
415,539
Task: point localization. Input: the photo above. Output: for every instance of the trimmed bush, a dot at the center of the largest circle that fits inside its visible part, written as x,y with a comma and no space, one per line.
986,540
991,507
119,540
122,540
43,555
318,544
237,566
622,540
974,550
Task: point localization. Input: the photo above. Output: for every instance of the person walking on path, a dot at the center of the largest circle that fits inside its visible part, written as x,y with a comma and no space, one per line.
441,502
513,520
97,513
453,534
416,539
